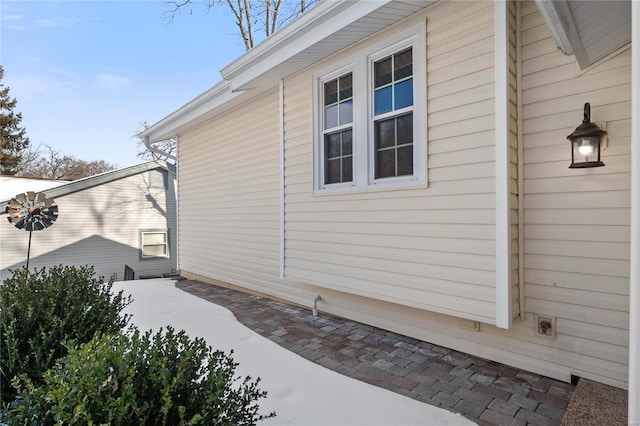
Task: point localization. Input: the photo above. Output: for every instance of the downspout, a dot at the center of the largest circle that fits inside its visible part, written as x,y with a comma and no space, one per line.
520,167
634,278
155,150
176,185
281,224
502,165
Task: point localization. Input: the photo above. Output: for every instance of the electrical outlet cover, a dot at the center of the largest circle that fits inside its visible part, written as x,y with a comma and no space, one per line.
545,326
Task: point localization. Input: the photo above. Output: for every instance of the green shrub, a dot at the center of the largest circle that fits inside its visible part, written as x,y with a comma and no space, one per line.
40,309
160,379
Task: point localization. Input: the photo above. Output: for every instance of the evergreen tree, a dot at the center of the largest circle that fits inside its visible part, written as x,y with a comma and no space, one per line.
13,138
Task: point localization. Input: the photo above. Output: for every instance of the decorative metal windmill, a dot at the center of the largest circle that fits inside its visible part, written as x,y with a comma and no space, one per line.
32,211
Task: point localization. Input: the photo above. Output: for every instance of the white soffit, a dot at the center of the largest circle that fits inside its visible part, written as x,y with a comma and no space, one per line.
311,38
590,30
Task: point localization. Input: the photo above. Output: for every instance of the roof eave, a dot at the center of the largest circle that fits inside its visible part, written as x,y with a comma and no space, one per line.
168,126
309,28
102,178
559,20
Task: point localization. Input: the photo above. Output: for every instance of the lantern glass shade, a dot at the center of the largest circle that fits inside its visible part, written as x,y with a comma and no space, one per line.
585,152
585,143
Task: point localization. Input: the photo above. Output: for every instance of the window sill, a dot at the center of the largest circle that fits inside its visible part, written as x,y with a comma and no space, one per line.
381,186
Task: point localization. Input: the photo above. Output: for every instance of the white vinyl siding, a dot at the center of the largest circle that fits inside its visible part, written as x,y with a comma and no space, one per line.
100,227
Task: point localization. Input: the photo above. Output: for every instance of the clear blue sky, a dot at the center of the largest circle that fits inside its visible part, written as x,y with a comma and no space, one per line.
87,73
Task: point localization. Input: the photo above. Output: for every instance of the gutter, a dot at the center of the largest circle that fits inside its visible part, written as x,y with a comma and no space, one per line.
312,36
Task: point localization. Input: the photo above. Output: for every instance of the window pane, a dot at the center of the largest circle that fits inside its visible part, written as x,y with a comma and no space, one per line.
338,157
160,250
347,169
153,238
385,133
385,163
383,100
405,160
404,94
346,87
331,92
382,72
332,148
332,174
346,142
403,65
346,112
405,129
154,244
331,116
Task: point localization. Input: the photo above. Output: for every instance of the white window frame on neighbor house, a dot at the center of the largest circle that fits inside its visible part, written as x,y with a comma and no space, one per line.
143,244
361,66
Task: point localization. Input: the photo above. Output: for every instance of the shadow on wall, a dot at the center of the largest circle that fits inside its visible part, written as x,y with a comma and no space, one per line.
108,258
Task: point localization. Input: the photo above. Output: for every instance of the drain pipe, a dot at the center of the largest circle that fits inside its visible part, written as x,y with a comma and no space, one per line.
157,151
314,306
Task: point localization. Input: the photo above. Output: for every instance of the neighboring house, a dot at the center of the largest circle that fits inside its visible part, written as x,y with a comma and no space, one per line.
12,185
407,161
122,217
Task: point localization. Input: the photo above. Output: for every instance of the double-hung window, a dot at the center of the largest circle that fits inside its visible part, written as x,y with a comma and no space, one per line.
337,129
154,243
393,115
371,118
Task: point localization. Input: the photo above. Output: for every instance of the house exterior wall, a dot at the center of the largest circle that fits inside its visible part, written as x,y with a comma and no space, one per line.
100,227
576,220
229,191
421,261
430,247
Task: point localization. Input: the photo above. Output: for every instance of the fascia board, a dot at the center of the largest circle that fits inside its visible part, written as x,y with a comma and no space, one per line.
281,36
194,109
559,20
322,21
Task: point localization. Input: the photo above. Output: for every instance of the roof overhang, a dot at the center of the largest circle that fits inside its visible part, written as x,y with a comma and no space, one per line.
100,179
325,29
589,30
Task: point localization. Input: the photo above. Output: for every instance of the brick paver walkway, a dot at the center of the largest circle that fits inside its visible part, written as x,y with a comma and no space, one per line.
483,391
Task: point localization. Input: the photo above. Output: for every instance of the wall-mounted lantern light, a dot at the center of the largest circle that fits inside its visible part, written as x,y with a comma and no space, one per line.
586,143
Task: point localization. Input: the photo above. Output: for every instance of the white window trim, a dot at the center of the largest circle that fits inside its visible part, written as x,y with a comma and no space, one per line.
167,244
320,117
363,144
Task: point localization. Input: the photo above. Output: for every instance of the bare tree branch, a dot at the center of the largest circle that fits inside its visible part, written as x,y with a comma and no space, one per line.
249,19
53,165
276,11
165,150
250,15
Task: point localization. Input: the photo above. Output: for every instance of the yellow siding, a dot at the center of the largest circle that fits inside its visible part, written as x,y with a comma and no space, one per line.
415,260
411,246
513,143
576,221
229,186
